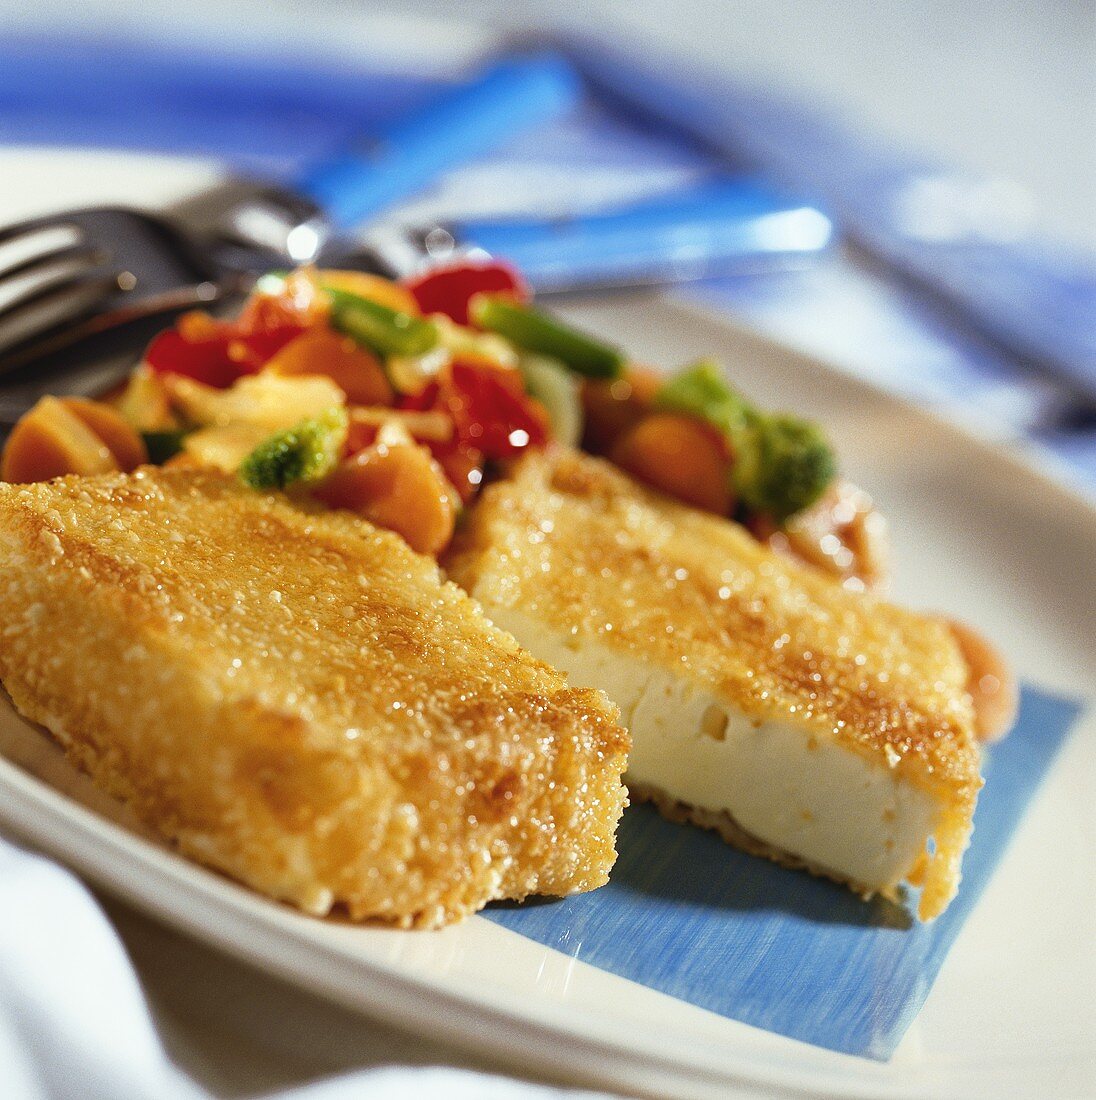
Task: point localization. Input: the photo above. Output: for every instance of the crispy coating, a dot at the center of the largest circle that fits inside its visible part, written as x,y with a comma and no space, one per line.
299,700
577,545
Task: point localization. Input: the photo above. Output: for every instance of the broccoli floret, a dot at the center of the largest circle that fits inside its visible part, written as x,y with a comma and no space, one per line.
306,452
783,464
703,392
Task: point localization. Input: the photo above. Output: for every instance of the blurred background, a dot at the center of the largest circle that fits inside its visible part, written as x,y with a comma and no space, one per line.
1006,87
956,140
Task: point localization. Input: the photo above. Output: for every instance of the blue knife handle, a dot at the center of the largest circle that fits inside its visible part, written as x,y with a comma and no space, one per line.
710,229
501,102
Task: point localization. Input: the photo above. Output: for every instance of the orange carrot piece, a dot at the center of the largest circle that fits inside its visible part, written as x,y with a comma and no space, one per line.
123,442
357,372
49,441
679,456
613,407
399,487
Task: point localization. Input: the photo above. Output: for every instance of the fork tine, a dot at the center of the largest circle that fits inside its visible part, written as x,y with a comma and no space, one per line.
83,325
80,291
38,225
73,254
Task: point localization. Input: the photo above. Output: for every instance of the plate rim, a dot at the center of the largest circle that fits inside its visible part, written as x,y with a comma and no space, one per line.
550,1046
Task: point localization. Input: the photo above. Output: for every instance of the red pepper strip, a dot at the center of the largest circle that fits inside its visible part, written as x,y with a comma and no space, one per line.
428,399
448,290
217,353
253,350
463,466
205,360
490,410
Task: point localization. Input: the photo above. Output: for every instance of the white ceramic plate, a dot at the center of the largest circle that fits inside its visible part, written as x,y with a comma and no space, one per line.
978,532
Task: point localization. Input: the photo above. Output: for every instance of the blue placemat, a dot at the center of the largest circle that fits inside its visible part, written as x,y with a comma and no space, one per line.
778,949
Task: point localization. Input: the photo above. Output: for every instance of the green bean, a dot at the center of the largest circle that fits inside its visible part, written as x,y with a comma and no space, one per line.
380,329
536,332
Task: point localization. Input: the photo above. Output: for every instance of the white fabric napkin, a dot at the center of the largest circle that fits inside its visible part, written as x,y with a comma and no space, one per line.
74,1021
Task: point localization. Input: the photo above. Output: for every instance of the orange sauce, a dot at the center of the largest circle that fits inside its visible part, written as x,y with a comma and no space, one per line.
991,683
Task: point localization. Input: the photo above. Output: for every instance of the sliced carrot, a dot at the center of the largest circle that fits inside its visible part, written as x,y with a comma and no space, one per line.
49,441
127,447
357,372
613,407
373,287
679,456
398,487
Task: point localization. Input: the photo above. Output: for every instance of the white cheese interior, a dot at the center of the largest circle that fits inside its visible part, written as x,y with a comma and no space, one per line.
805,795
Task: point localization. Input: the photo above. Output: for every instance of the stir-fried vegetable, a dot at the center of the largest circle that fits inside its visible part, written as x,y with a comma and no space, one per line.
381,329
782,464
356,371
308,384
305,453
681,456
216,353
265,400
70,435
449,290
534,331
557,389
703,392
163,445
399,486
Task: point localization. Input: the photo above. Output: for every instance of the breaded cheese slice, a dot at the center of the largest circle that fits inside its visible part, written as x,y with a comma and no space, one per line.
299,700
821,727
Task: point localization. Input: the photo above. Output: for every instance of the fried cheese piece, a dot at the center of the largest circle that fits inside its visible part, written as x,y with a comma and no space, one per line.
299,700
824,728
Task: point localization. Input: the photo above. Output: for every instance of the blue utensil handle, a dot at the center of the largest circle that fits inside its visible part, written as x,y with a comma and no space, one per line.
711,228
501,102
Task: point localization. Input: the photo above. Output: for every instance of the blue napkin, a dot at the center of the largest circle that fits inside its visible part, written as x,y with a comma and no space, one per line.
267,114
778,949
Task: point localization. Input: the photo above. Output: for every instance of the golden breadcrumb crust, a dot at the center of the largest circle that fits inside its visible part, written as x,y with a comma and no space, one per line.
580,547
299,700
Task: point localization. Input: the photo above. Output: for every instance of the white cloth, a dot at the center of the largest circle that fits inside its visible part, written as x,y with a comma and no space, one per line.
74,1022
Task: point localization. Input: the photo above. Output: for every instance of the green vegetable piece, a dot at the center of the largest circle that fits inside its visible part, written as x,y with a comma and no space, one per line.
378,328
536,332
304,453
793,465
558,390
782,464
163,445
703,392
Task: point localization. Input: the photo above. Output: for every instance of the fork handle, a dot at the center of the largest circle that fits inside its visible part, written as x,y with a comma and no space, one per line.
725,225
500,102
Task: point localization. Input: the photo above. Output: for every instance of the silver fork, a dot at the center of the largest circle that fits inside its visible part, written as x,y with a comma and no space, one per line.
73,280
85,274
65,277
